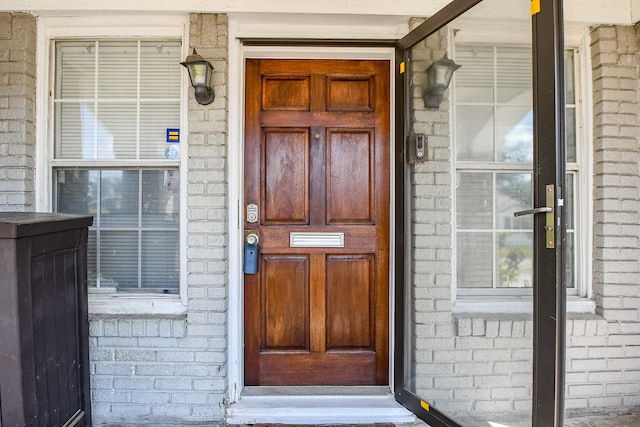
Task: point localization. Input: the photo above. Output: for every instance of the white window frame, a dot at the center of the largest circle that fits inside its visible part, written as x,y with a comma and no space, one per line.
579,299
51,29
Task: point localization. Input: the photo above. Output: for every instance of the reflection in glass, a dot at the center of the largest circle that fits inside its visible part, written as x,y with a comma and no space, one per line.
119,198
475,260
514,134
475,133
474,200
515,260
134,241
513,193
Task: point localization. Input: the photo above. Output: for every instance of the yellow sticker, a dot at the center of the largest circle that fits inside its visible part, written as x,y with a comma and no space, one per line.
535,7
402,68
424,405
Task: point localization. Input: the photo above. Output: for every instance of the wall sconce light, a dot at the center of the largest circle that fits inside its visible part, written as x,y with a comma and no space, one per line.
200,72
438,78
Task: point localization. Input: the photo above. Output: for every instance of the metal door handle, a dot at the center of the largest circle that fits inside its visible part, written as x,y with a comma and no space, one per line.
252,239
544,209
550,240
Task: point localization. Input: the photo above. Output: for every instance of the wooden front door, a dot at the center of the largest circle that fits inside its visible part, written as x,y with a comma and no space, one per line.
317,167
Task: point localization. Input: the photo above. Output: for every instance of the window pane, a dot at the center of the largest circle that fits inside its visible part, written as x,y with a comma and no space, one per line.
75,77
117,131
474,133
475,260
160,261
118,69
569,202
77,191
514,134
515,259
474,201
92,256
154,121
160,69
160,199
119,259
475,79
570,134
120,217
119,199
514,76
513,193
75,131
571,260
570,76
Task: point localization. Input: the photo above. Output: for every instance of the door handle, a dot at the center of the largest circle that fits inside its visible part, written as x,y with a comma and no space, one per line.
533,211
252,239
550,240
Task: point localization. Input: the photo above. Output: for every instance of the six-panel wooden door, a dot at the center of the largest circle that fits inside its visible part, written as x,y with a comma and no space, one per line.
317,167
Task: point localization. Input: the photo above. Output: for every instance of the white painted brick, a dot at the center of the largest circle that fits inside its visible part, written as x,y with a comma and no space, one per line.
493,406
136,383
171,384
585,390
150,397
175,412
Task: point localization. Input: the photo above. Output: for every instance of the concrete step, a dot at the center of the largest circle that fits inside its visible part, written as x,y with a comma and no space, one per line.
380,410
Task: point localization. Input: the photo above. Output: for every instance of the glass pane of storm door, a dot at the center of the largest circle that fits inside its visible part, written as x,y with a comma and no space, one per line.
468,315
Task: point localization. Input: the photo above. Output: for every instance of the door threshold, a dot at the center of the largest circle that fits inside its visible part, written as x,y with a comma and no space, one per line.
317,405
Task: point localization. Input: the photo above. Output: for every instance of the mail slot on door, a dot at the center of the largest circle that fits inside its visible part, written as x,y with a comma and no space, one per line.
316,240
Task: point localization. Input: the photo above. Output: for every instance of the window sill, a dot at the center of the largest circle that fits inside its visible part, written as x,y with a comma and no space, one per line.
516,305
114,305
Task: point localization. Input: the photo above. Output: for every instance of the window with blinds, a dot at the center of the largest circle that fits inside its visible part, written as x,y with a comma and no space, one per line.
493,153
114,102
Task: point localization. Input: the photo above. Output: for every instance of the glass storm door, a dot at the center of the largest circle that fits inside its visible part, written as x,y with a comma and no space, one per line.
479,291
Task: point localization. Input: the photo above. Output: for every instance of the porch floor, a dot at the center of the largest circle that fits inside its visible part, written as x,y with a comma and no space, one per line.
612,420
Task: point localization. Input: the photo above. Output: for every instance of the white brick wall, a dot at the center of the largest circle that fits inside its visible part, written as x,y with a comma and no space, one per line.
17,111
605,365
158,369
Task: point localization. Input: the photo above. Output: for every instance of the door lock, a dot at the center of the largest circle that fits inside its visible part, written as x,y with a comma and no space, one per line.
252,213
550,237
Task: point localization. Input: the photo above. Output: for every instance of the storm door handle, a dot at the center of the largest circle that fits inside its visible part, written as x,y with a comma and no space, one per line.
550,240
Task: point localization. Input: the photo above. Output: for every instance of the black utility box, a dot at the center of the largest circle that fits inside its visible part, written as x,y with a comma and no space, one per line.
44,331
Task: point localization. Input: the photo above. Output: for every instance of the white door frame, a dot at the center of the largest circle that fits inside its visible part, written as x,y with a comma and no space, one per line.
245,26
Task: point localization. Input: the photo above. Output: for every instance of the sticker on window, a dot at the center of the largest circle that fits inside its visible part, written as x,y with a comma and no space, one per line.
173,135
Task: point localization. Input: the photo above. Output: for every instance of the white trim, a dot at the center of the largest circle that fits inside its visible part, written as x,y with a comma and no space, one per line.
115,304
515,305
239,27
585,126
99,26
623,12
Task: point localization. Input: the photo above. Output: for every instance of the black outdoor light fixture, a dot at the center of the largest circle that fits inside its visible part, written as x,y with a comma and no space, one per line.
200,72
439,76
